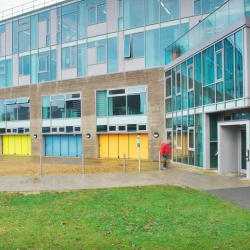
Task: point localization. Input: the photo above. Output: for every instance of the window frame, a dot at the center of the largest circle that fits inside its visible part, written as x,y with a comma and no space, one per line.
176,87
178,147
70,57
46,64
105,49
22,58
96,14
193,129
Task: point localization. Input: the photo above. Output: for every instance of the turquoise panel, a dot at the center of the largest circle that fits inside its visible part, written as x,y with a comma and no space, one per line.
65,145
79,145
56,145
72,146
48,145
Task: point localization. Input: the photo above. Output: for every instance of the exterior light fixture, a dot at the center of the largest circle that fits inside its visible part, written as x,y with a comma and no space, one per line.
35,136
88,136
156,134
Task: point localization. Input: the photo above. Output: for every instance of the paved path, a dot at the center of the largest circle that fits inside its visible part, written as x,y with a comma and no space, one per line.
232,188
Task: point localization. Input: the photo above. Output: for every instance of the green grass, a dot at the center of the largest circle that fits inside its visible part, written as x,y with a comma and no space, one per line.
156,217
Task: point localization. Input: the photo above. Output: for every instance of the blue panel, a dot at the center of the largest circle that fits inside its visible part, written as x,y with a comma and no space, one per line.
64,145
72,146
48,145
56,145
79,145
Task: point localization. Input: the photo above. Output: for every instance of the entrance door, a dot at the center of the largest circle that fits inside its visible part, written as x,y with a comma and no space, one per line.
243,151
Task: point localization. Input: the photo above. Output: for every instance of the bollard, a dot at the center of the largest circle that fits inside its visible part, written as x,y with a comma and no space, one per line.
139,159
83,169
159,160
41,168
124,163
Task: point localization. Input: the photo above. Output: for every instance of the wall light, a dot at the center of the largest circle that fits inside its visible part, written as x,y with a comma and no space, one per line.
35,136
88,135
156,134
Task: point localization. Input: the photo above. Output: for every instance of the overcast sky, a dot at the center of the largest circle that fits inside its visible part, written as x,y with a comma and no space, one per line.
8,4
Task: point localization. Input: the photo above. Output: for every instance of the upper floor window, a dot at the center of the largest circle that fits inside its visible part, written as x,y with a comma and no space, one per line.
24,34
96,11
69,23
170,10
206,6
15,109
101,50
134,45
61,106
114,102
69,57
24,65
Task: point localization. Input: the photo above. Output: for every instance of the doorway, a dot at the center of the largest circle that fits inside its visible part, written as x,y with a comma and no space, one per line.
243,165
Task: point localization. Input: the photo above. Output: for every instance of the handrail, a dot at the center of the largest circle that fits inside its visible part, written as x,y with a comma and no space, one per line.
27,7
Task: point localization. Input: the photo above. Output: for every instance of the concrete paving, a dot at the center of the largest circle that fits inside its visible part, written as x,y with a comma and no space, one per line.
232,188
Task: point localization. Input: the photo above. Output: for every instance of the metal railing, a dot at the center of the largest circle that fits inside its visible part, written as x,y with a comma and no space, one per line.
28,7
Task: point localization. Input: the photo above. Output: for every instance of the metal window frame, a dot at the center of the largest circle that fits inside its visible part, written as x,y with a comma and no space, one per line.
46,64
179,93
188,67
70,56
191,128
96,14
105,60
130,46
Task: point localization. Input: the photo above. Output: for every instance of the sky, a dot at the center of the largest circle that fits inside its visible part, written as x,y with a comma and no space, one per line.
8,4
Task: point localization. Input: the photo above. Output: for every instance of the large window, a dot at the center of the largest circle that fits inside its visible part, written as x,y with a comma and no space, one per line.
170,10
24,34
68,57
61,106
130,101
16,110
69,23
134,45
133,13
96,11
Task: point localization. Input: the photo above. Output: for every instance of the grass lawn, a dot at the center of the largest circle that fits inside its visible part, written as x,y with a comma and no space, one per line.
155,217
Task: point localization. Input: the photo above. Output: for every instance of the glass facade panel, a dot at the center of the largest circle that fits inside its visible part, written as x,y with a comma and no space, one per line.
239,63
11,112
152,12
198,140
66,58
191,99
219,65
117,105
170,10
190,77
208,66
53,65
197,7
137,104
82,64
23,111
152,48
133,13
112,55
34,32
168,87
127,43
2,111
220,92
34,68
69,31
138,45
101,54
198,82
73,108
69,8
101,13
15,37
168,105
209,94
44,16
92,15
24,40
82,22
229,68
8,72
191,138
184,84
58,109
45,107
101,103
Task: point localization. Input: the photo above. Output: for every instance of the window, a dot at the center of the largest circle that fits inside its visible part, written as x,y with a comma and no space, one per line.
101,54
197,7
69,26
61,106
137,104
97,14
24,34
24,65
68,57
43,64
136,41
17,110
190,139
120,15
170,10
133,13
117,105
59,26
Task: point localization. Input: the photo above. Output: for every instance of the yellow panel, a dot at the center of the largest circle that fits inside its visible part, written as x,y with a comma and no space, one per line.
5,144
113,146
11,144
28,145
123,145
133,151
24,144
18,144
144,146
104,146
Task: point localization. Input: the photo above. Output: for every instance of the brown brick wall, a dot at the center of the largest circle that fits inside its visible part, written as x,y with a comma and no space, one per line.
153,78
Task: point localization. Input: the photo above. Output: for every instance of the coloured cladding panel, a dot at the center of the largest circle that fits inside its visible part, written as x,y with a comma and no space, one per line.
104,146
63,145
123,145
113,146
17,144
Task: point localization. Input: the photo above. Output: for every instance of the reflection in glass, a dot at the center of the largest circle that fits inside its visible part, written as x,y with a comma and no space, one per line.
117,105
69,24
58,109
137,104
